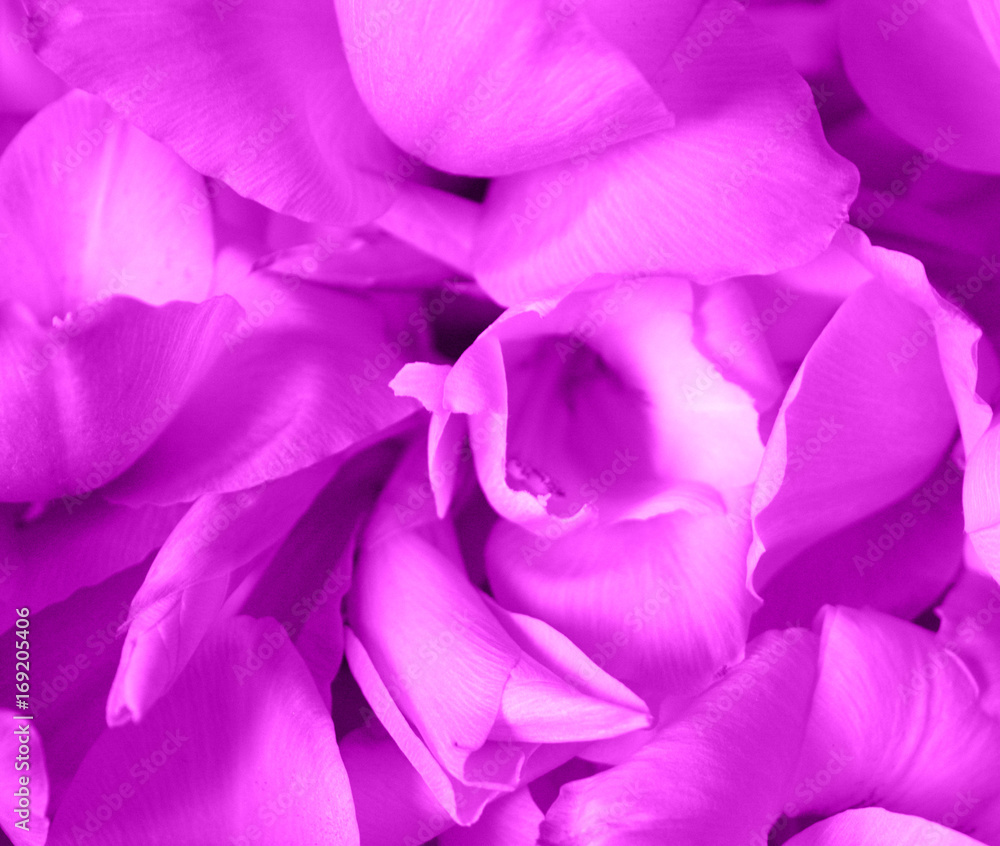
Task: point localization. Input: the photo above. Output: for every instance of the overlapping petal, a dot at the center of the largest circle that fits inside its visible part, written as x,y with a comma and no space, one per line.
187,774
717,775
896,722
747,157
872,411
84,399
84,191
875,826
661,604
927,71
259,97
478,108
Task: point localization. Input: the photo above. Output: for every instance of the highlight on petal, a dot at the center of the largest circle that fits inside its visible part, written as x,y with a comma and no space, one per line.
869,415
185,588
747,158
458,87
188,774
82,401
875,827
929,74
260,97
896,722
661,604
98,211
717,775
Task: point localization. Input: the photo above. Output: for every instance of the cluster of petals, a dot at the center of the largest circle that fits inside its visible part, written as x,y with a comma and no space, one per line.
557,422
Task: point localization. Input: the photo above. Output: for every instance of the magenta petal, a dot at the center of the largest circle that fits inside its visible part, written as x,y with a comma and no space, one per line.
463,802
931,76
878,827
868,417
185,588
81,401
896,721
458,86
260,98
511,820
899,560
981,500
65,549
212,784
306,372
99,209
717,775
970,627
661,604
392,802
747,158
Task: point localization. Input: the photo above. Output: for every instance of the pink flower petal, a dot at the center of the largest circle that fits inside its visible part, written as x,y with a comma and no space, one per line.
747,158
66,549
185,588
876,827
717,775
190,774
899,560
929,74
661,604
304,374
82,400
99,210
458,87
896,722
970,627
981,500
867,418
260,98
392,802
511,820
